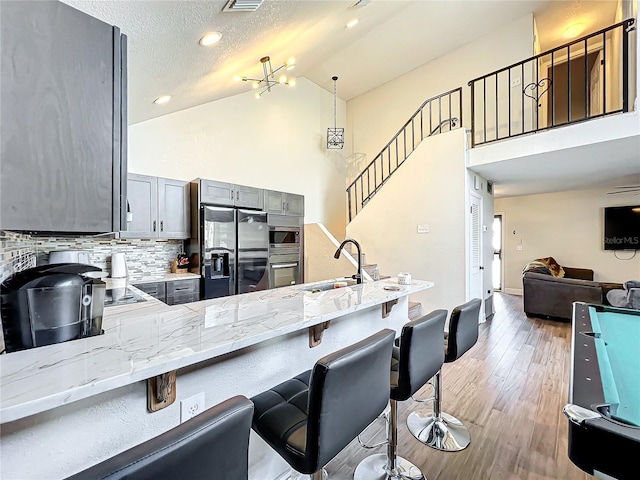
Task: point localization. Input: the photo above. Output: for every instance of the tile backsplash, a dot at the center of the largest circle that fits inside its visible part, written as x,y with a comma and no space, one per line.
145,258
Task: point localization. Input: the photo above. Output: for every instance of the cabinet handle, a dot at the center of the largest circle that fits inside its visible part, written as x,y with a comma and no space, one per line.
238,195
162,225
154,225
230,194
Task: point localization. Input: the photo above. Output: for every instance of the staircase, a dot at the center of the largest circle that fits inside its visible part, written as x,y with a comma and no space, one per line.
437,114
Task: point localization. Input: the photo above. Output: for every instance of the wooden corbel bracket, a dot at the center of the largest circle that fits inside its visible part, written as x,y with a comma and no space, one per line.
387,306
161,391
315,333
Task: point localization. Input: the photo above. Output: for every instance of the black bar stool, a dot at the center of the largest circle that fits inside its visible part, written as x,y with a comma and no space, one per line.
214,444
310,418
418,358
441,430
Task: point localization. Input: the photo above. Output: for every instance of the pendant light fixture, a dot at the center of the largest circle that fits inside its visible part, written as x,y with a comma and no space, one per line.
335,135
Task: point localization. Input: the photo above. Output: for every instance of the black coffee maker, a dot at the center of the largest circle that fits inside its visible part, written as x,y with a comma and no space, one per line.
51,304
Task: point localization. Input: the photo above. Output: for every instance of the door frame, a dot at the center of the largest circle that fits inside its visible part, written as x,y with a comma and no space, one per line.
473,194
502,234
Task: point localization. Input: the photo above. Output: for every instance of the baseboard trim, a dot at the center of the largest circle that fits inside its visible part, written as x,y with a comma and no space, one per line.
513,291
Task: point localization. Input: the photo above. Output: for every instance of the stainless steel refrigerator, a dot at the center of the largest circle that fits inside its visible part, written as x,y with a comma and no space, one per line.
234,251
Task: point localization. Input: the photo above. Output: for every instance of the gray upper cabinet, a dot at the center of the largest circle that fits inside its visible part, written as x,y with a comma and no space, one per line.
249,197
63,120
293,204
159,208
228,194
282,203
173,208
142,201
219,193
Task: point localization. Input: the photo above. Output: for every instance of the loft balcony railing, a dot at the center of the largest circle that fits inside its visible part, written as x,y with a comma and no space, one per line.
584,79
436,115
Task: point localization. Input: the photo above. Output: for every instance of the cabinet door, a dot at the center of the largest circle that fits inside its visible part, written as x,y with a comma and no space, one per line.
57,116
249,197
142,195
294,204
273,202
217,193
173,208
156,289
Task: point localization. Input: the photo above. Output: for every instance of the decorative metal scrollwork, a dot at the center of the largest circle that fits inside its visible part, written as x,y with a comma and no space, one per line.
535,87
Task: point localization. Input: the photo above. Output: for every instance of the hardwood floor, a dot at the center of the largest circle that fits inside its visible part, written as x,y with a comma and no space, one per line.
509,390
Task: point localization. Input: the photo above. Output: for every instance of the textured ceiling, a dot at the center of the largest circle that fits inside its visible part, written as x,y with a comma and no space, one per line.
392,38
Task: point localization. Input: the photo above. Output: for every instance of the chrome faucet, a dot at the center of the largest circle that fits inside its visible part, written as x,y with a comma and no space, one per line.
357,276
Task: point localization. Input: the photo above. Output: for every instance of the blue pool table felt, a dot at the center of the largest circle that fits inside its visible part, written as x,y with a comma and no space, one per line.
618,350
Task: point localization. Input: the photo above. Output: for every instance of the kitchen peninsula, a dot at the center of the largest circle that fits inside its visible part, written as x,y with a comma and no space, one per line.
92,392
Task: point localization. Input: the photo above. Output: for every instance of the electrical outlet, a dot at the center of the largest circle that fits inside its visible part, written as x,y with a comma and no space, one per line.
192,406
423,228
515,82
518,247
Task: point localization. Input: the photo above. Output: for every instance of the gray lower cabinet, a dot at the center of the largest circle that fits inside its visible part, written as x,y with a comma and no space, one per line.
183,291
159,208
63,120
282,203
156,289
173,292
229,194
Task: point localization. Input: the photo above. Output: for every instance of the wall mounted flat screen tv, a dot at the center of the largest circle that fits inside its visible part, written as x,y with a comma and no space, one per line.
622,228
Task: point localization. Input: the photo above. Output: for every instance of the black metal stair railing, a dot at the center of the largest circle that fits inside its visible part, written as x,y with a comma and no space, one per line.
583,79
437,114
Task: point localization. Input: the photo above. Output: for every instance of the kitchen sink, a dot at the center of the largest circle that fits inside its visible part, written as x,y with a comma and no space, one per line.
323,287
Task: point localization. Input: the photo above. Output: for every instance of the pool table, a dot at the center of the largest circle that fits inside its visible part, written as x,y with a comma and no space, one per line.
604,391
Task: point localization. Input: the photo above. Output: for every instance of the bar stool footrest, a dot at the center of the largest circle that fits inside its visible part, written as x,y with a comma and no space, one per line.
374,467
445,432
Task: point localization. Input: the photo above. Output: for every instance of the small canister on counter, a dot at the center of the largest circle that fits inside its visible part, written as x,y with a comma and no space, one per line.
404,278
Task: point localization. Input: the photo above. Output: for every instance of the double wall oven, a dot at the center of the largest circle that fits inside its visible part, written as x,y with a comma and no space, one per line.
285,251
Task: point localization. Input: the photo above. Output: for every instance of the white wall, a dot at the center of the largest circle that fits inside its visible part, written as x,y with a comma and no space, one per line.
429,188
373,118
567,226
277,142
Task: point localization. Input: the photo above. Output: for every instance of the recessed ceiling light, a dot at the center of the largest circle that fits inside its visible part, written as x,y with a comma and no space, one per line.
162,99
574,30
353,23
210,38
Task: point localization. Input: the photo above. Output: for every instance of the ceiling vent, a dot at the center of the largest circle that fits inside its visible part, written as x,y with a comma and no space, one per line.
361,3
242,5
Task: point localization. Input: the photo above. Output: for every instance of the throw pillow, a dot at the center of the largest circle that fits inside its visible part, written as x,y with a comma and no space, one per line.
536,267
554,267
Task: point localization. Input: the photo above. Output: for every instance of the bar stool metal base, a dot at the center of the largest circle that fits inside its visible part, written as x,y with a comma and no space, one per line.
374,467
443,432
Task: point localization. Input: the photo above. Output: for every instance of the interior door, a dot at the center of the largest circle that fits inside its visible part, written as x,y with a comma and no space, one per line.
475,246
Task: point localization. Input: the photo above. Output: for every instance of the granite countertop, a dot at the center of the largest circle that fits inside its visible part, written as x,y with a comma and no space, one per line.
150,338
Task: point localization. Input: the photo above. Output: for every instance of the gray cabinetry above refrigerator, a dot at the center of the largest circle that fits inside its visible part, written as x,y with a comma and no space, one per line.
63,137
282,203
159,208
230,195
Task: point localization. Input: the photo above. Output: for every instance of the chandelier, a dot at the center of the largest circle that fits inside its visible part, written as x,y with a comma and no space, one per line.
335,135
266,83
